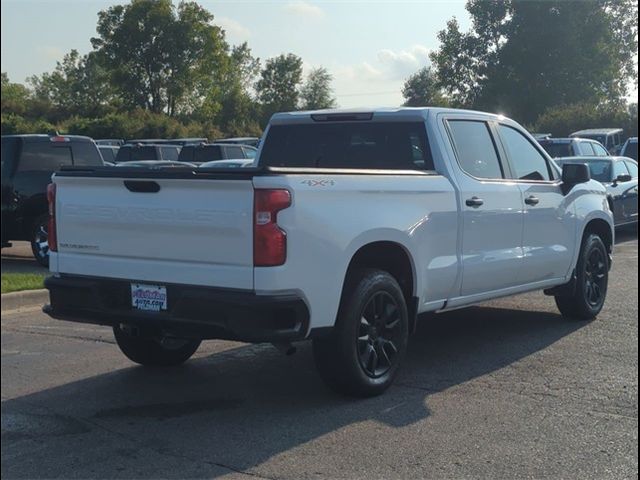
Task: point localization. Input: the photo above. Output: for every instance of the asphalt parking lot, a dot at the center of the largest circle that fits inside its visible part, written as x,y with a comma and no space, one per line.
504,390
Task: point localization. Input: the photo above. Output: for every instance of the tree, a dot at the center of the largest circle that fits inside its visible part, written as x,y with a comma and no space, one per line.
238,113
523,56
77,86
316,92
160,58
15,96
278,85
422,89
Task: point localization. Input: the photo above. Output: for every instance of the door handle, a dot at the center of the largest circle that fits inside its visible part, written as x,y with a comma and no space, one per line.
474,202
532,200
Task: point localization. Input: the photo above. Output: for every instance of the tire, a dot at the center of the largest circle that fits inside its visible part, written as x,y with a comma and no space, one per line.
39,240
362,354
155,351
592,280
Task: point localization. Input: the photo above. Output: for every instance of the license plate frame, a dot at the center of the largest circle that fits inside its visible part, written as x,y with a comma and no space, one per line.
149,297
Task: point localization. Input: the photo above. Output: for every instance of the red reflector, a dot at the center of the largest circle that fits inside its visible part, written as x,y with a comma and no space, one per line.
52,237
269,240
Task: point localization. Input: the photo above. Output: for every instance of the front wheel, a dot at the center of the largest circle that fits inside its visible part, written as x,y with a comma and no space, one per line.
40,240
592,280
362,354
154,351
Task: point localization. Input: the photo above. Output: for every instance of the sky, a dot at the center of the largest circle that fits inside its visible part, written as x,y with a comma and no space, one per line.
370,47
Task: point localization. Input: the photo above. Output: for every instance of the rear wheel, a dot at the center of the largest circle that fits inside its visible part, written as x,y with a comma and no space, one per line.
40,240
362,354
154,351
592,280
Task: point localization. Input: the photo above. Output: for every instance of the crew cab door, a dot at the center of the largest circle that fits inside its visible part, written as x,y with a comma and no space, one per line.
492,217
549,232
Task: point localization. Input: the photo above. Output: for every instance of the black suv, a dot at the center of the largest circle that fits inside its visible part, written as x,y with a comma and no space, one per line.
28,161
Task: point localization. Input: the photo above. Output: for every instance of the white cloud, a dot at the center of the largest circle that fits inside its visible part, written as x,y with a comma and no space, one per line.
235,31
304,9
401,64
378,81
50,52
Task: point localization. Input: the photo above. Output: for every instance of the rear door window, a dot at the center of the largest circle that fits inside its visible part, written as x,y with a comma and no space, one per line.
85,153
44,156
475,148
348,144
234,152
249,152
586,148
527,162
620,168
600,150
633,168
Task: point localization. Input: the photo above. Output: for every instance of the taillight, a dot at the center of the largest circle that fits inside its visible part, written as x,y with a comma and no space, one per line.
269,241
52,237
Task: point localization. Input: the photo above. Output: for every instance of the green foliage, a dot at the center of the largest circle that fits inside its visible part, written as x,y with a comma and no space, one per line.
159,57
522,57
278,87
316,92
422,89
16,282
12,123
14,96
564,120
78,85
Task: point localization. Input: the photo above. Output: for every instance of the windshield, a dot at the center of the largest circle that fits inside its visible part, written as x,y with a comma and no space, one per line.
556,150
600,169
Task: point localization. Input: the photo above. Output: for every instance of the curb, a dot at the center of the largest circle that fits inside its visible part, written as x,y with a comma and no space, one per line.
24,299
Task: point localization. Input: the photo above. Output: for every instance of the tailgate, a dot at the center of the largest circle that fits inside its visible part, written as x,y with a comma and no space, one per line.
189,231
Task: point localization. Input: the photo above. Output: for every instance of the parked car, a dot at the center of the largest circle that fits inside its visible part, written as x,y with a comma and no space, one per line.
208,152
114,142
108,153
572,147
630,148
227,164
251,141
611,138
619,175
147,151
28,161
342,235
155,164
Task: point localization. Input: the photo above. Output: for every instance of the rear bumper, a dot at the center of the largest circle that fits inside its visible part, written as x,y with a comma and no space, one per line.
193,311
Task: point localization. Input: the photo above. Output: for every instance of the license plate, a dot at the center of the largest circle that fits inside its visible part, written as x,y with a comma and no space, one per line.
148,297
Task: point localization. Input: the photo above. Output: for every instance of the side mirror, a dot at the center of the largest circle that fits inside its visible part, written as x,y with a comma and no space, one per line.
625,177
574,174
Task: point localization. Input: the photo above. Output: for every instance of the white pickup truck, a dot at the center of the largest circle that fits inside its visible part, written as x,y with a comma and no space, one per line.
351,224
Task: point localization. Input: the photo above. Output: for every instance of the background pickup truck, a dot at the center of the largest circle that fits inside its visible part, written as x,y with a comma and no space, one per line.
351,224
